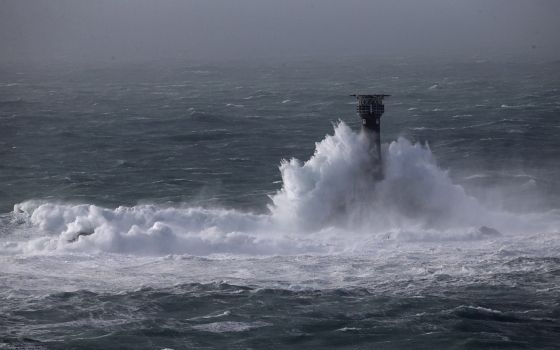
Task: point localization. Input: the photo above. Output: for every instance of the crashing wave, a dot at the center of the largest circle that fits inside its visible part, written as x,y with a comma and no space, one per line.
326,204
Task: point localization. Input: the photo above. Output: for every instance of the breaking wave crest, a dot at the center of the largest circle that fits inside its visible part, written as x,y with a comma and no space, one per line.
324,204
336,187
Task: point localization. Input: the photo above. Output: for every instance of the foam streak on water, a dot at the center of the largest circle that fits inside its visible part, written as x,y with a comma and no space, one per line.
147,223
325,205
335,247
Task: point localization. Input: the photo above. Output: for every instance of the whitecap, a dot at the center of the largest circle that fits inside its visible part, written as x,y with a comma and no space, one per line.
230,326
325,204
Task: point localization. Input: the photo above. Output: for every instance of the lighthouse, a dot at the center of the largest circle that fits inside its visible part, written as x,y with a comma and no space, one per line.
370,108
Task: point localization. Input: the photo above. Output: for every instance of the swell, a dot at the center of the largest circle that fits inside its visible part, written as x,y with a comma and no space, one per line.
325,205
190,313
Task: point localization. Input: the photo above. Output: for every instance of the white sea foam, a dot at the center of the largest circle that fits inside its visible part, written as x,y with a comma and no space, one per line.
326,204
336,187
230,326
144,229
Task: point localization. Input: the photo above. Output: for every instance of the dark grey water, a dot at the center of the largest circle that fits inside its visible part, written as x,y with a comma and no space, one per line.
142,207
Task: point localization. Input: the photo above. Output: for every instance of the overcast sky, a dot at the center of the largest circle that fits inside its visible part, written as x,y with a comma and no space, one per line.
140,30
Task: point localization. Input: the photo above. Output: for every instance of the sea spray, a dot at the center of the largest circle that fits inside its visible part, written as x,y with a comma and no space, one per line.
142,229
337,187
325,205
330,187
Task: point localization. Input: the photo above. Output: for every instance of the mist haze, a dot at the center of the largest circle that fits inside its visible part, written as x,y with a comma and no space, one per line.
144,30
192,174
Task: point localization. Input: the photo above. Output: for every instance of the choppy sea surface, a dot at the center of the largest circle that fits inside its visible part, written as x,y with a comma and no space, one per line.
177,206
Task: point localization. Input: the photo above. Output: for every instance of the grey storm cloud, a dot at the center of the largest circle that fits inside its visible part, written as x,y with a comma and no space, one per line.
83,30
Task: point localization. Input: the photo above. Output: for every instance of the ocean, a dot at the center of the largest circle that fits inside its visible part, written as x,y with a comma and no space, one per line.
232,206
